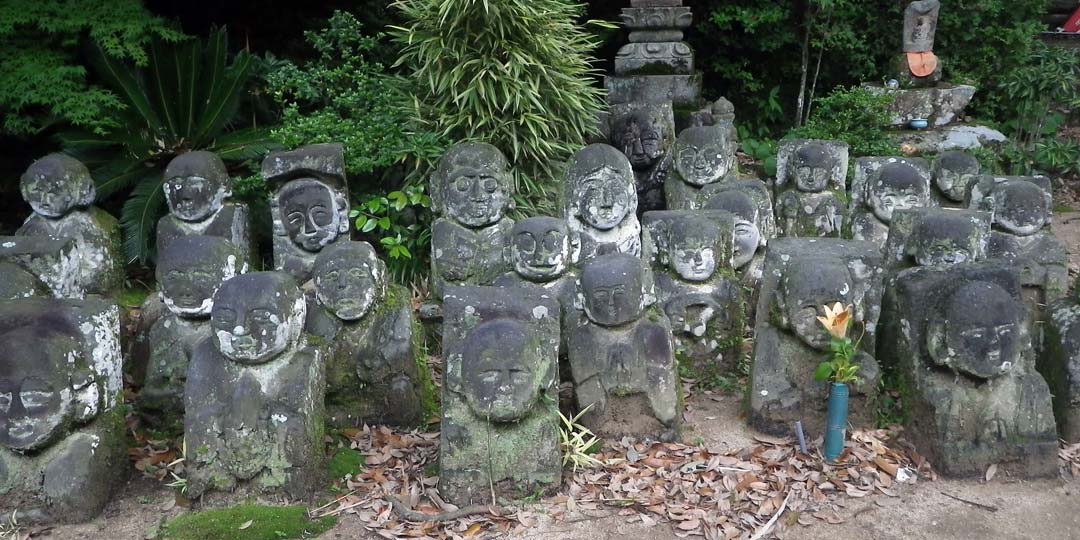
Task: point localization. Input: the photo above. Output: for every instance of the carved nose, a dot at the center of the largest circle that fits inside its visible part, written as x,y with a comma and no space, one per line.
309,225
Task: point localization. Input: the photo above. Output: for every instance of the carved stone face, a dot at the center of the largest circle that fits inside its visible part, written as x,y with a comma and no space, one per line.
190,271
952,173
640,138
812,167
36,398
1021,208
56,184
612,287
540,248
349,278
898,186
747,234
602,185
196,184
692,248
981,329
920,25
257,316
476,189
807,286
704,155
943,241
312,214
499,362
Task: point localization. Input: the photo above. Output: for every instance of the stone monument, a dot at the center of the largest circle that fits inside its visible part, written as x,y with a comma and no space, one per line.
881,186
656,66
811,188
601,203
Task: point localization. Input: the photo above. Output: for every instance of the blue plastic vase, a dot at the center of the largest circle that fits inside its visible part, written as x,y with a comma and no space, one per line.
836,422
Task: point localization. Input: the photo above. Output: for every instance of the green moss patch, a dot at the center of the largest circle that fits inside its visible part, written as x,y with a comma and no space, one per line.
346,461
267,523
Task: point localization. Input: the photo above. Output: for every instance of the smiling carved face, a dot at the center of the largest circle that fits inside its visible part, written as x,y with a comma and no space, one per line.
499,363
310,213
540,248
257,316
348,279
36,398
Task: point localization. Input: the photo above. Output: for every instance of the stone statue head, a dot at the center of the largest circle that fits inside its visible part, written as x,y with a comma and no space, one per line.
257,316
941,239
897,186
349,279
56,184
612,288
978,331
642,136
806,287
473,185
499,370
692,247
196,184
920,25
812,166
191,269
704,155
39,374
1021,207
312,213
16,282
541,248
600,185
748,237
953,171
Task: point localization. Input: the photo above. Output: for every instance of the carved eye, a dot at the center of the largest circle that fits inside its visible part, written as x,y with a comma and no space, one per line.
526,243
490,184
5,402
461,184
1004,330
262,316
552,240
519,377
296,218
332,275
490,376
35,395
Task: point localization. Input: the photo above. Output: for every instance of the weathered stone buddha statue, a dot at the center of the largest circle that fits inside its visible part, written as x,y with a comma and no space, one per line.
936,237
601,203
811,188
703,157
645,133
882,186
952,172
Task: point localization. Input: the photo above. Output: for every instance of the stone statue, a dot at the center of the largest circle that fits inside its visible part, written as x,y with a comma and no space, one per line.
1060,364
309,204
500,420
936,237
61,192
952,172
811,190
748,253
645,134
802,275
196,187
54,263
919,66
601,203
703,156
253,404
62,432
189,271
691,254
376,374
621,356
959,335
656,66
472,191
882,186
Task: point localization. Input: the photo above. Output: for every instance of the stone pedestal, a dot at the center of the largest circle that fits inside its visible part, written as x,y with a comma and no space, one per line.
939,105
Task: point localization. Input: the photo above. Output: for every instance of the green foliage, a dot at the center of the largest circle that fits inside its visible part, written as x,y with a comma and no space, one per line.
183,99
854,115
762,150
41,79
345,461
399,222
266,523
343,96
839,368
513,73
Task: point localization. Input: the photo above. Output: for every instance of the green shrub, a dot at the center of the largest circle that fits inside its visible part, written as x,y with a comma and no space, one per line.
854,115
513,73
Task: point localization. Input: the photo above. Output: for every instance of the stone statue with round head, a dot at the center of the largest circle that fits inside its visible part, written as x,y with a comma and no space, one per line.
601,202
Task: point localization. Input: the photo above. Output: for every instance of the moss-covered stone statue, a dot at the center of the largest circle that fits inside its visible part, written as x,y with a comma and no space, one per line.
936,237
811,188
500,419
63,443
622,360
376,372
61,192
748,253
881,186
703,157
601,203
645,133
253,405
952,171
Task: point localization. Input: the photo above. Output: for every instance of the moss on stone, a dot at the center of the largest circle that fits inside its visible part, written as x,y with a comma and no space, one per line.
267,523
429,396
346,461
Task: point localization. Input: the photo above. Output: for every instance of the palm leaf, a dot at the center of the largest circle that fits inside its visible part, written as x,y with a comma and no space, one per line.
122,79
140,215
244,144
225,85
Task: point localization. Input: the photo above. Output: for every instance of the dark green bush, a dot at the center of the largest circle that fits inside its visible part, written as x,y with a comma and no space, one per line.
853,115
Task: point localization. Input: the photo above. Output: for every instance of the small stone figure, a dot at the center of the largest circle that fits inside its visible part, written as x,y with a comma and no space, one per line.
54,263
952,172
471,191
189,272
309,204
645,134
375,374
62,431
749,245
691,254
959,336
621,356
1022,208
601,203
253,404
802,276
703,156
936,237
500,419
196,187
61,192
811,191
882,186
919,66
